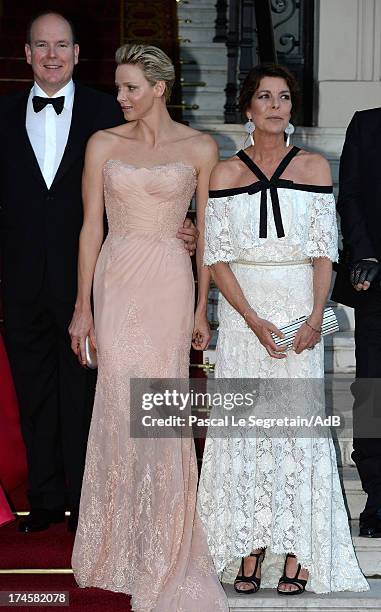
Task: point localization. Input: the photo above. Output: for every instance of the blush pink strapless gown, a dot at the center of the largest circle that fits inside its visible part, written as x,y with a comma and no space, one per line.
138,530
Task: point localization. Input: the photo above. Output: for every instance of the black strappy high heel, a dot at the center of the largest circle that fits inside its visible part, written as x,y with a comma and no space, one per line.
295,581
256,582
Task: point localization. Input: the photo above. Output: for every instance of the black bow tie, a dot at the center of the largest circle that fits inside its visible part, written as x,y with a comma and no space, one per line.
39,103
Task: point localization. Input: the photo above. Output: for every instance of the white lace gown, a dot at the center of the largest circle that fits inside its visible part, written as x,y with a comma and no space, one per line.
283,494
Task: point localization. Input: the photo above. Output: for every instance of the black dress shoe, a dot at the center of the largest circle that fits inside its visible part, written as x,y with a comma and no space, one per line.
40,519
72,521
371,527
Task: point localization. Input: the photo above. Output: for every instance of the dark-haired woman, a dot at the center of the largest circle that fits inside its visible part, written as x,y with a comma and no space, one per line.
270,238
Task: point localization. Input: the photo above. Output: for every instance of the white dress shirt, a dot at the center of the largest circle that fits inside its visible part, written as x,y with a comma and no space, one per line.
47,131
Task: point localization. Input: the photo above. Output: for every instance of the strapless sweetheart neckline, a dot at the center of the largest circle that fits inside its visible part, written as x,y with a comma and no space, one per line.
175,163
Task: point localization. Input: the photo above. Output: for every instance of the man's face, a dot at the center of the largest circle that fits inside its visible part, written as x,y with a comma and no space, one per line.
51,53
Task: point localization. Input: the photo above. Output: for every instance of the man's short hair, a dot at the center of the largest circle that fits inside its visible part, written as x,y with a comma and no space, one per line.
43,14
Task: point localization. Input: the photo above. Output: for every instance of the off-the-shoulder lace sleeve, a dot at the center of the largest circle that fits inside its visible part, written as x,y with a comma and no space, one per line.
322,232
218,242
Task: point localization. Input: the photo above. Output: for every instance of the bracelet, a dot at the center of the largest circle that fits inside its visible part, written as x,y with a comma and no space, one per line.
318,331
244,315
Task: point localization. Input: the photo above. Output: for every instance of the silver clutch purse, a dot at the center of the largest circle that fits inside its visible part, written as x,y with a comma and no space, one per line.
329,326
90,354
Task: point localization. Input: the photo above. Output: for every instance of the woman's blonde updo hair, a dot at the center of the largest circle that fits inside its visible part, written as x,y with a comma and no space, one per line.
155,64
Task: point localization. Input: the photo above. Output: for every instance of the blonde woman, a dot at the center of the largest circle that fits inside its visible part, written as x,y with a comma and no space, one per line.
138,531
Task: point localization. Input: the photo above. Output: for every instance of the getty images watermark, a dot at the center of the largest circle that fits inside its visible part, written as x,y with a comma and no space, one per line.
225,401
304,408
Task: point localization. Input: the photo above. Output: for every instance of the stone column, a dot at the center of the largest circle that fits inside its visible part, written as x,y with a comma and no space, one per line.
348,59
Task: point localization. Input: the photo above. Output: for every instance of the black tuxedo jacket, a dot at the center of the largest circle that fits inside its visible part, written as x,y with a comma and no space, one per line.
359,202
39,227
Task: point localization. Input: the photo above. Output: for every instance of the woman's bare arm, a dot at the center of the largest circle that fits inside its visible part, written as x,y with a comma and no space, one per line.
90,242
209,158
319,173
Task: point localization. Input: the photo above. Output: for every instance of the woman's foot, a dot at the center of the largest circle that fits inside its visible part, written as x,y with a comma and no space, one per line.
294,578
249,576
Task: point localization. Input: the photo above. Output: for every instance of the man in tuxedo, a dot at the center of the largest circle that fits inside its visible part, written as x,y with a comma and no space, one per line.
358,285
44,132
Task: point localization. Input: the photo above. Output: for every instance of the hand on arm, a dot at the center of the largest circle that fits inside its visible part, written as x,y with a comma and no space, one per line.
90,242
189,234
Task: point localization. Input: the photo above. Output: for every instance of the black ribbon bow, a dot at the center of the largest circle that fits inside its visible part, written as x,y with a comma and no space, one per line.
39,103
272,184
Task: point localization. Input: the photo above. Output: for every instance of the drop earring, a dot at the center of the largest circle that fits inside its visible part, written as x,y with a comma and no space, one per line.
290,129
249,127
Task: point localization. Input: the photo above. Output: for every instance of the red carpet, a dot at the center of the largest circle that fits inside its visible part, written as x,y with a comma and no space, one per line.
44,549
50,549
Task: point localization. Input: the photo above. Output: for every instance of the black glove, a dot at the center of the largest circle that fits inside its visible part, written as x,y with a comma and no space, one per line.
364,270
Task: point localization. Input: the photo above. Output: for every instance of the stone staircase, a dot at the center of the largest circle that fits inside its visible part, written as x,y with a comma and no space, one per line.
204,62
345,602
205,65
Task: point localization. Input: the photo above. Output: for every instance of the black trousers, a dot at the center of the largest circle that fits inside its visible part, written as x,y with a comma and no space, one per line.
55,396
367,403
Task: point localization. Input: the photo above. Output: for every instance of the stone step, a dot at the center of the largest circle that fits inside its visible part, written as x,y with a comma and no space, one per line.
197,32
269,601
368,552
354,495
340,352
197,15
209,99
205,115
195,4
197,52
212,76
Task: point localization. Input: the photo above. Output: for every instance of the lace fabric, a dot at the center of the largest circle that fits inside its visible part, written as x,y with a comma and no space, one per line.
232,228
138,530
281,493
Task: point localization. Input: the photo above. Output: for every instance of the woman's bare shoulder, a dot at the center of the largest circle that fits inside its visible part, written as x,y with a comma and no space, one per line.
124,130
200,148
110,135
225,174
101,143
194,139
315,168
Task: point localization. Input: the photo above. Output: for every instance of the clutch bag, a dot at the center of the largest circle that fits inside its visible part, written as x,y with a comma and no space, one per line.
329,326
90,354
